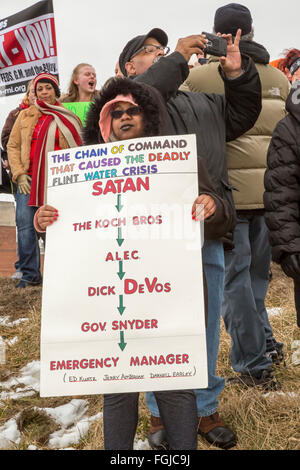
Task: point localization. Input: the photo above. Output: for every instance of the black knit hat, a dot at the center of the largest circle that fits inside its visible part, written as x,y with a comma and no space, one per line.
231,17
294,66
136,43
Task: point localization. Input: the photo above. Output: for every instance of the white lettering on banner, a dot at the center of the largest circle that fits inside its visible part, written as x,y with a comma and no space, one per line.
20,73
45,32
36,40
3,53
3,24
27,48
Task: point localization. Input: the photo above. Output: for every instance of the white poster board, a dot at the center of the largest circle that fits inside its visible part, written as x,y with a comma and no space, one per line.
123,306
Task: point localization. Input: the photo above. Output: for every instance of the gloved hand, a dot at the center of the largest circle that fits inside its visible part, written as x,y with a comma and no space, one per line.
24,184
291,266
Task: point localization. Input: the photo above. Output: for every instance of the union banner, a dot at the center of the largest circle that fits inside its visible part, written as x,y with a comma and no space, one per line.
27,47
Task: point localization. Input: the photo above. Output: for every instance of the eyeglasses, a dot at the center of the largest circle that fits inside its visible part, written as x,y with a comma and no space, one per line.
150,48
118,113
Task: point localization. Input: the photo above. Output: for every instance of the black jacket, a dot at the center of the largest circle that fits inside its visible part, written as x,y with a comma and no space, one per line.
282,182
215,226
282,196
214,118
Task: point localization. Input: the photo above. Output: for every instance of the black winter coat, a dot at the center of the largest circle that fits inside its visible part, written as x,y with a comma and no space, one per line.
282,182
214,118
221,222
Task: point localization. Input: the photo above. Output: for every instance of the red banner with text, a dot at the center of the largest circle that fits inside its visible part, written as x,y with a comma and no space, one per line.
27,47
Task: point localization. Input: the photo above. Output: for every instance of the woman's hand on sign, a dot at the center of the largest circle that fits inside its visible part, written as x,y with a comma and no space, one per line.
46,216
203,207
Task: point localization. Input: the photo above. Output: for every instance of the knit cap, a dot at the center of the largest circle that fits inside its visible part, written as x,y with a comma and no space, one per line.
47,78
231,17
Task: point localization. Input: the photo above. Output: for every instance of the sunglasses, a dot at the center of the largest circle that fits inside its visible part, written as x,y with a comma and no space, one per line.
118,113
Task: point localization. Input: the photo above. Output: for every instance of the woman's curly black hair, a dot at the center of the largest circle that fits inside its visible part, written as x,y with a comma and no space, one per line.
148,98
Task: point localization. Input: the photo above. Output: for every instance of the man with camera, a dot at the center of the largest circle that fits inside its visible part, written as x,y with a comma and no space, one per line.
253,346
214,119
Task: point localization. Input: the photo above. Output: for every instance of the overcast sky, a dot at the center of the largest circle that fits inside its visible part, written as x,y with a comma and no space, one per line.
95,31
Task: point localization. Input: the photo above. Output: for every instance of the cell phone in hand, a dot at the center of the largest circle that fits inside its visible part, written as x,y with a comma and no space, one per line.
216,45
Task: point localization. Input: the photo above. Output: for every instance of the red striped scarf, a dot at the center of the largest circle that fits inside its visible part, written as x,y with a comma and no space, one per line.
70,126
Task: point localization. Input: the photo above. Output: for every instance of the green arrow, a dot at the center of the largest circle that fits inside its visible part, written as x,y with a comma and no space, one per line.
120,239
121,308
119,206
122,344
121,273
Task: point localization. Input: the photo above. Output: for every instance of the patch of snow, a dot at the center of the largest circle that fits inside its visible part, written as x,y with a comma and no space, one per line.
9,434
16,395
141,445
4,321
71,417
296,354
64,437
295,344
272,312
292,395
11,342
30,377
296,358
68,414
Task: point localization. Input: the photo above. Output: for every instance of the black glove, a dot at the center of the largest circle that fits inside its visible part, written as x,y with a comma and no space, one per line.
291,266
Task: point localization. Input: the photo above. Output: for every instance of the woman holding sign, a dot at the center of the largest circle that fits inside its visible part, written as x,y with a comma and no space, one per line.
125,110
43,127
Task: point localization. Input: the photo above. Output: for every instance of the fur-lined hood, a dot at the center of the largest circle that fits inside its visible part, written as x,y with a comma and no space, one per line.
151,102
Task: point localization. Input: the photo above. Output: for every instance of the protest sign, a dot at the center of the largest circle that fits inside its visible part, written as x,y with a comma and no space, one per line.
27,47
123,305
80,109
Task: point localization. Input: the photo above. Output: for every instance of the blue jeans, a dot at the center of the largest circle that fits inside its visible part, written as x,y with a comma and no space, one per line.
246,285
207,398
28,247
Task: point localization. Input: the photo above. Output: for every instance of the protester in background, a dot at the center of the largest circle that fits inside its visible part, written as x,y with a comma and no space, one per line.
82,86
282,185
214,119
118,72
129,110
253,347
27,101
285,63
42,128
